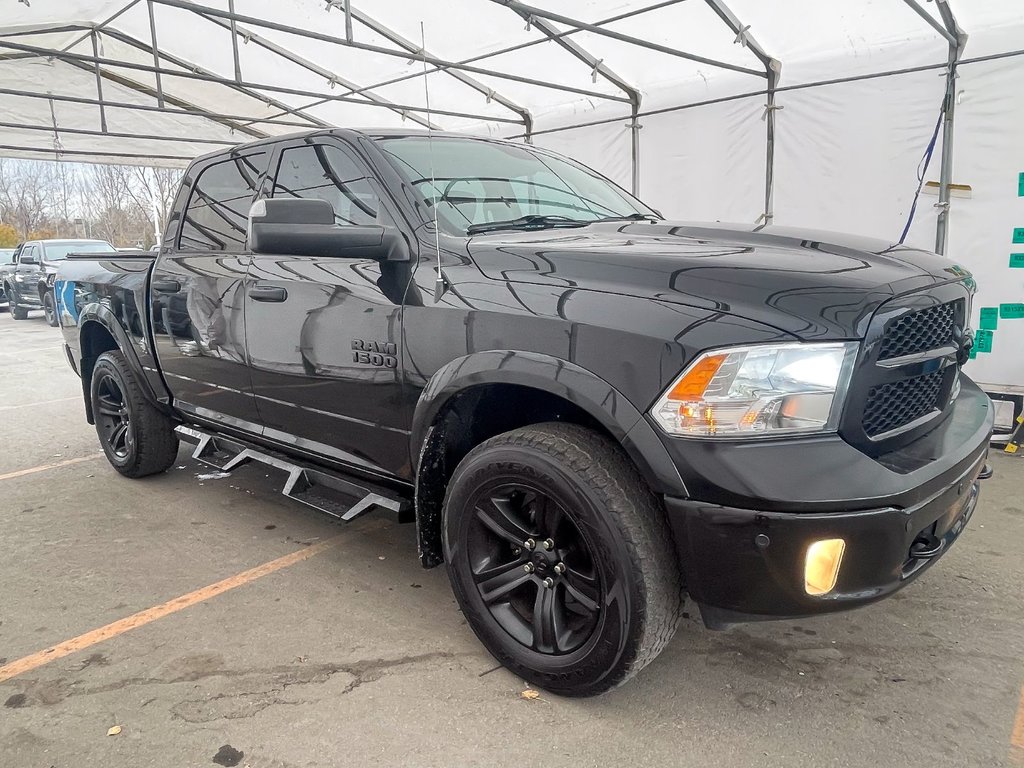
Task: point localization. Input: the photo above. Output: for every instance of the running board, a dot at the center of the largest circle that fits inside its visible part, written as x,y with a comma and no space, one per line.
313,487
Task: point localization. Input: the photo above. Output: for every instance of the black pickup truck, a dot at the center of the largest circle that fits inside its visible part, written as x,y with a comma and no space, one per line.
588,411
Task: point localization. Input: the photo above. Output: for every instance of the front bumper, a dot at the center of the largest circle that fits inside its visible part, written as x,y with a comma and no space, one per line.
745,562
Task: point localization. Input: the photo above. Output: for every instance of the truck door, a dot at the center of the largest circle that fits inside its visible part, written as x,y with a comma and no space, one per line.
323,333
196,293
26,274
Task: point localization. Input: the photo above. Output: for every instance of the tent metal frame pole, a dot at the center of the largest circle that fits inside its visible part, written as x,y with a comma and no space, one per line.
119,12
773,71
234,44
99,81
89,153
208,114
595,29
348,19
409,46
433,60
313,67
117,134
233,85
950,37
597,67
503,51
191,74
156,54
948,119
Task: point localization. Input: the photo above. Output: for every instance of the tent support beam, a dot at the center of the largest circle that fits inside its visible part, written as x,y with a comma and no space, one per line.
536,13
949,114
773,69
462,77
99,82
433,60
156,54
932,22
234,43
119,12
235,86
117,135
191,74
222,118
598,67
310,66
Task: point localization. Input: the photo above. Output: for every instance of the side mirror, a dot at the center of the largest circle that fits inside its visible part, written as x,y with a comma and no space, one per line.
305,227
26,259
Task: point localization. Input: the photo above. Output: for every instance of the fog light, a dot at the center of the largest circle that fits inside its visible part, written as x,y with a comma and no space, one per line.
821,566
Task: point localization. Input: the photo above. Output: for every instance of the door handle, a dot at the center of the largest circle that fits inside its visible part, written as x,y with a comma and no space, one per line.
166,286
267,293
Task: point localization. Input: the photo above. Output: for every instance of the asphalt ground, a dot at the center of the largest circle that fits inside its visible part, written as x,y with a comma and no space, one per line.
244,629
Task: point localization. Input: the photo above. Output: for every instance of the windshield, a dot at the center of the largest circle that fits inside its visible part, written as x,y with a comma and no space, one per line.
60,250
477,182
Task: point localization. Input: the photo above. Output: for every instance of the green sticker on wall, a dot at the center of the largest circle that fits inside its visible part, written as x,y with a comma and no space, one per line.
989,318
974,351
1020,184
1018,234
983,341
1011,311
1017,260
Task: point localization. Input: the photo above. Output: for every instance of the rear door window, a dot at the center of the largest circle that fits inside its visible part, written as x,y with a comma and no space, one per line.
218,209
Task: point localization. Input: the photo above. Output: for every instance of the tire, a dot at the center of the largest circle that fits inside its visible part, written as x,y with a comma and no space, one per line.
138,439
50,309
617,600
17,311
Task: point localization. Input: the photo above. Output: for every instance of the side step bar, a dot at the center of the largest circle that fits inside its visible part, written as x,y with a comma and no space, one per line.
343,499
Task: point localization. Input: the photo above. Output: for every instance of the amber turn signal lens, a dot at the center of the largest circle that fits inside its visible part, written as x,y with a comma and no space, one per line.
695,382
821,566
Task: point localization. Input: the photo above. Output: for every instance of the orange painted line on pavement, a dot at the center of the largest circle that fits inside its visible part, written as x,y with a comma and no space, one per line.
44,467
1017,735
42,402
140,619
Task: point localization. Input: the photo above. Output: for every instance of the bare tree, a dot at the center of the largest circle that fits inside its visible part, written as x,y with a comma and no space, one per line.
24,195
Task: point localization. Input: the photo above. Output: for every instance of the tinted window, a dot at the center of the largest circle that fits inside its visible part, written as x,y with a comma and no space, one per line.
60,250
29,252
218,209
328,173
475,182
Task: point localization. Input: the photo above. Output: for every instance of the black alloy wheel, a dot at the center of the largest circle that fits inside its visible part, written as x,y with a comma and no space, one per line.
533,568
113,417
561,558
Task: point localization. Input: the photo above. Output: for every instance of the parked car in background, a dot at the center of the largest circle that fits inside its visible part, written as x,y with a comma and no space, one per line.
30,284
6,267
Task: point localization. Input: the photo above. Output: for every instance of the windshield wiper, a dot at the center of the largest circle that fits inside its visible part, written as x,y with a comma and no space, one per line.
631,217
532,221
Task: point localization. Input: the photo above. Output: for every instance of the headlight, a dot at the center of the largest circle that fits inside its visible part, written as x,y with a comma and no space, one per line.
764,390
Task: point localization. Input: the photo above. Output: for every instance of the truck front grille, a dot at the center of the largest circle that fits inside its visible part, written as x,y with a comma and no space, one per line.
920,331
893,405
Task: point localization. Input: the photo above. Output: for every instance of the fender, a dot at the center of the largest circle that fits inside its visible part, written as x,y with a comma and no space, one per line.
567,380
101,314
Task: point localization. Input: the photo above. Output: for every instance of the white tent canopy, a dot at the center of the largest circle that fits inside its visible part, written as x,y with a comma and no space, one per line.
228,70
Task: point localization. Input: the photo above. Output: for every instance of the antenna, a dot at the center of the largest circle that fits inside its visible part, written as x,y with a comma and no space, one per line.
439,284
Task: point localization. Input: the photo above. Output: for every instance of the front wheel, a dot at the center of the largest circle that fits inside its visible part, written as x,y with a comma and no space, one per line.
50,308
18,312
561,558
137,438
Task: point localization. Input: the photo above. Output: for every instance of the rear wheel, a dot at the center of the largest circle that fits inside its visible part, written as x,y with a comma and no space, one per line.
561,558
138,439
50,308
18,312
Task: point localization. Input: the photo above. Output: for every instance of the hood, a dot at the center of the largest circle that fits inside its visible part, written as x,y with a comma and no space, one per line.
814,285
